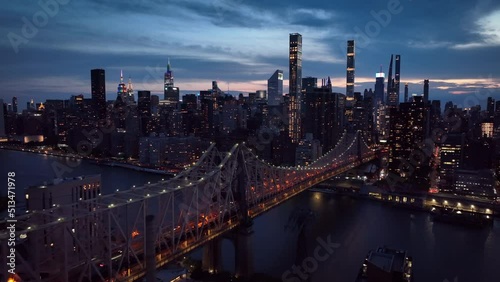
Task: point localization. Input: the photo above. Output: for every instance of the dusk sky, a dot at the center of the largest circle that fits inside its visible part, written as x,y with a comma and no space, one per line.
240,43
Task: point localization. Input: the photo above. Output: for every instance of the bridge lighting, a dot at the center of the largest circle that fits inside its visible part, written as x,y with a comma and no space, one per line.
164,190
130,200
135,233
117,190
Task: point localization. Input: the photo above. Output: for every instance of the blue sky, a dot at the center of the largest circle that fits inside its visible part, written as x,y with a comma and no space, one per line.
240,43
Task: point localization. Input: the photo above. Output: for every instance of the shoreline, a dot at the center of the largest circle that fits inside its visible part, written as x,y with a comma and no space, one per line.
95,161
421,205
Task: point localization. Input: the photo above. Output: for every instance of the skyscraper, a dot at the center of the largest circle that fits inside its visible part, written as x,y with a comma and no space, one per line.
144,109
275,89
379,87
350,68
98,81
14,104
397,78
122,93
171,93
407,132
295,86
321,120
392,94
490,107
426,91
406,93
130,92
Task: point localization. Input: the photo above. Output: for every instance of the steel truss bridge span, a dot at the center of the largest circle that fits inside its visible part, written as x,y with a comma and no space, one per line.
106,238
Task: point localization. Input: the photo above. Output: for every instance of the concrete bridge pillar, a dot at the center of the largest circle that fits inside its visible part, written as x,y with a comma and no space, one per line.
244,251
212,256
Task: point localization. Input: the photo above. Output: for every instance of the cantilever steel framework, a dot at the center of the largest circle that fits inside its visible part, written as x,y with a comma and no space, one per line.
103,239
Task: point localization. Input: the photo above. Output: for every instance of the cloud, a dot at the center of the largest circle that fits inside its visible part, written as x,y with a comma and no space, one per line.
319,14
487,29
461,92
428,44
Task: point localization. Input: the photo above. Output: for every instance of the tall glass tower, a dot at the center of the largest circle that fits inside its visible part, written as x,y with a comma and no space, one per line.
275,89
350,69
295,85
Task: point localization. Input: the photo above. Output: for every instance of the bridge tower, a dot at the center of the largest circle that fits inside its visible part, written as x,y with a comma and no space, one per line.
212,256
243,240
358,144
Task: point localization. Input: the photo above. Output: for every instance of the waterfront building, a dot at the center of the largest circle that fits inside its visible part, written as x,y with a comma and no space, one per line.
62,192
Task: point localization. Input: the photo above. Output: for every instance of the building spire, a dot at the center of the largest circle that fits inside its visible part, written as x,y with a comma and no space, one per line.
130,87
121,76
168,64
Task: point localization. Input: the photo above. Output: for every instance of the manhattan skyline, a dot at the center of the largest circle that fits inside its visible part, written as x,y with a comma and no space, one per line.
241,44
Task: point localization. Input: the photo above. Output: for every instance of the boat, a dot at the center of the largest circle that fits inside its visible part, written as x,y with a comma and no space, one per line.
461,217
386,265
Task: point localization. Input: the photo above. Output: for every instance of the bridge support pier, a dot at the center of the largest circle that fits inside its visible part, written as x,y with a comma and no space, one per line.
150,249
212,256
244,251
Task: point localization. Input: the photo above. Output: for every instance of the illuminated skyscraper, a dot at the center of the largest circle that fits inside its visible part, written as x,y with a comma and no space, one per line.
122,93
295,85
275,89
350,69
379,87
98,81
392,94
407,132
171,93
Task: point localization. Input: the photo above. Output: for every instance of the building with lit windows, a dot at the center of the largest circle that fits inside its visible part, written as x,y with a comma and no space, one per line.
350,69
144,110
307,151
406,135
171,151
170,92
295,87
321,121
451,157
480,183
62,192
487,129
